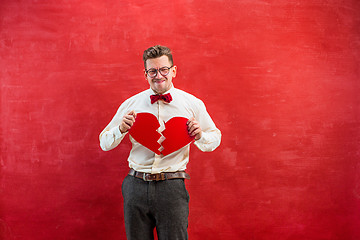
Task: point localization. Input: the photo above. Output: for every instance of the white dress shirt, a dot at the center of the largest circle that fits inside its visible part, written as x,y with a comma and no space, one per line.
183,105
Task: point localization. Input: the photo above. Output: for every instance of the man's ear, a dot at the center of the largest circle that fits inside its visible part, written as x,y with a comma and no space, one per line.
174,69
145,75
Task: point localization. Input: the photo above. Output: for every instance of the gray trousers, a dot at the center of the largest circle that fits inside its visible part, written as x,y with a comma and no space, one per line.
160,204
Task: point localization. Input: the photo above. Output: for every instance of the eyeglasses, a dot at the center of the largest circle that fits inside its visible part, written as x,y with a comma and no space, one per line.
164,71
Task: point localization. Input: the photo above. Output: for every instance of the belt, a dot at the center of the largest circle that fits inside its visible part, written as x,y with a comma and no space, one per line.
158,176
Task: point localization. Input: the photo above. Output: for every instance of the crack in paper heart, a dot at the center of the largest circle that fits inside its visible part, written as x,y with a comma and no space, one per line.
145,132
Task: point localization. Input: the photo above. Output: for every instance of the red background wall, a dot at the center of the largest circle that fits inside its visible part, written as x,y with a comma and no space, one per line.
280,79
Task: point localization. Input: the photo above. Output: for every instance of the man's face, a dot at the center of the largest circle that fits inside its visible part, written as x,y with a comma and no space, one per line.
159,83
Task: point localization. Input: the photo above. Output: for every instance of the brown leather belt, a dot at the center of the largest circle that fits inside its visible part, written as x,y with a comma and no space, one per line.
158,176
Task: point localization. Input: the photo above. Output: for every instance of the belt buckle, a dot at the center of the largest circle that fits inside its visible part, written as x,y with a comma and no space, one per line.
144,178
157,177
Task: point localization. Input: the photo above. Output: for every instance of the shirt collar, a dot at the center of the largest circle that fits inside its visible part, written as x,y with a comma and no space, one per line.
168,91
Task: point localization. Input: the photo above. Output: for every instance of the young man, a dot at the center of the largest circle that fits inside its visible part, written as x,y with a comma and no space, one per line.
154,191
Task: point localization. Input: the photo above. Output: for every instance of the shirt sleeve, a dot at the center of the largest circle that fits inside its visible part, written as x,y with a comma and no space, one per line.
111,136
211,135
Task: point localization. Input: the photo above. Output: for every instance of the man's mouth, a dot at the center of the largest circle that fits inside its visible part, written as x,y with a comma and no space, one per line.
159,81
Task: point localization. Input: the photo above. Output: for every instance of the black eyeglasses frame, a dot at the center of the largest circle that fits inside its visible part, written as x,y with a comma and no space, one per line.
158,71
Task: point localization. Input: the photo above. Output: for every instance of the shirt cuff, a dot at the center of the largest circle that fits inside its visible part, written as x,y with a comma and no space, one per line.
208,142
117,134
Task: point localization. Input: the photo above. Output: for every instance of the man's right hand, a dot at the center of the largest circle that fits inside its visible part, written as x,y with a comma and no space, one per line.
127,121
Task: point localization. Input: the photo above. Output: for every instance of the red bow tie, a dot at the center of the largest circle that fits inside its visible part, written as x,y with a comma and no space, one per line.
166,97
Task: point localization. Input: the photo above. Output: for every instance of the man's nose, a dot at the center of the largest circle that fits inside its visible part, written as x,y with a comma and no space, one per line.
158,75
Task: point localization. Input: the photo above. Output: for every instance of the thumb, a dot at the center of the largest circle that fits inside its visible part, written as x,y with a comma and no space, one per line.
132,113
190,120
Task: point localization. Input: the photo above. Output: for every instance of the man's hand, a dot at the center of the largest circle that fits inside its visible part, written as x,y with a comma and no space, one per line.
127,122
194,128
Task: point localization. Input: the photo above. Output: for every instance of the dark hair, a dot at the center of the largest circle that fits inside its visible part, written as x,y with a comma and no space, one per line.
156,52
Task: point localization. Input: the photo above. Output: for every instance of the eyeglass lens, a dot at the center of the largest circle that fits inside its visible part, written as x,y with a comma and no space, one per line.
163,71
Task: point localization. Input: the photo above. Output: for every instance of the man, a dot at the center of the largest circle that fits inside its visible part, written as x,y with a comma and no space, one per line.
154,191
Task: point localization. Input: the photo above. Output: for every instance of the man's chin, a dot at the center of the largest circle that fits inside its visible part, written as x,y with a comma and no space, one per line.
159,90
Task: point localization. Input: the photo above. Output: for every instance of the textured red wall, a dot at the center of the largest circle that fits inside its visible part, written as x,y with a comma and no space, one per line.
280,79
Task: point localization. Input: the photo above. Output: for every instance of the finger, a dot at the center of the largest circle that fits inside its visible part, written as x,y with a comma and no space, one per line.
124,127
129,117
196,132
192,123
190,129
198,135
129,122
190,120
193,129
133,113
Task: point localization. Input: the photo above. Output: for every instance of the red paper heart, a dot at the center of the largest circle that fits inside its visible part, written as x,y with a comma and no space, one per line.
175,133
144,131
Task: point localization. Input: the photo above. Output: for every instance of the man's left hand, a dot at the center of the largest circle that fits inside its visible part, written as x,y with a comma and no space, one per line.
194,128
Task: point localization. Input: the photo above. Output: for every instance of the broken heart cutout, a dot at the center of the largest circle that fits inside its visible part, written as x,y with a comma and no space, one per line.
144,131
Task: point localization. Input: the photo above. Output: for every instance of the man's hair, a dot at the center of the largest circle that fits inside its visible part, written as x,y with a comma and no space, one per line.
156,52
